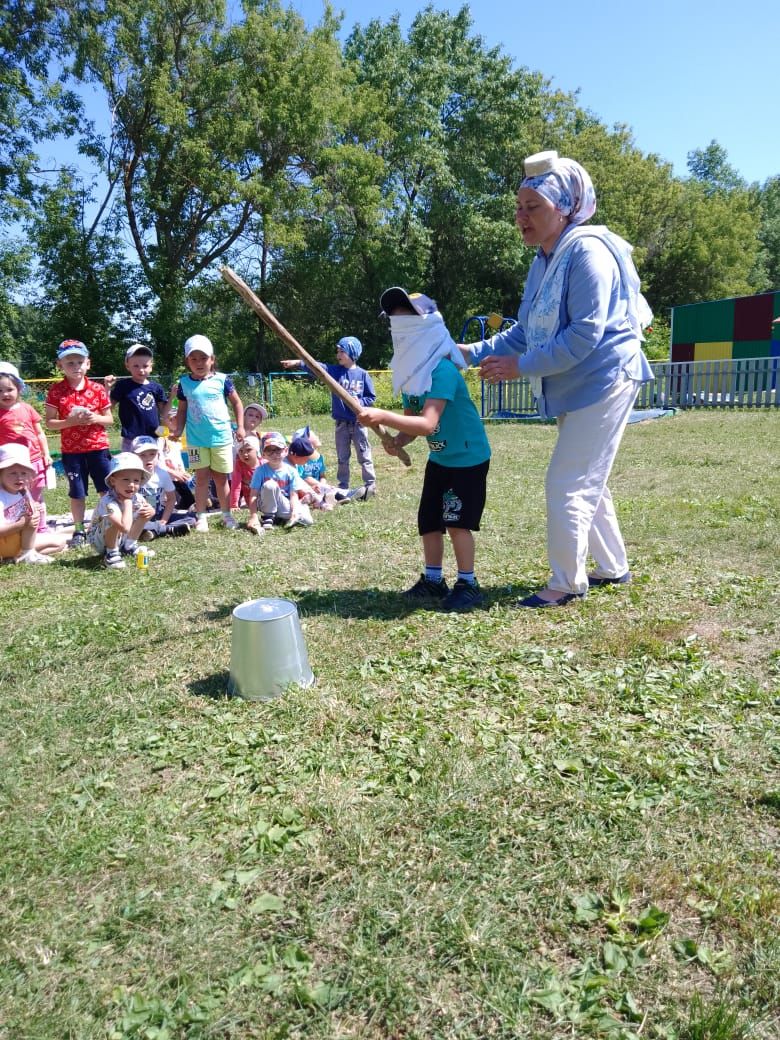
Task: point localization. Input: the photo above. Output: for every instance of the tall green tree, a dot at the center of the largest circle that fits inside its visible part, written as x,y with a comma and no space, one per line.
33,105
419,188
705,248
85,286
710,166
769,234
215,124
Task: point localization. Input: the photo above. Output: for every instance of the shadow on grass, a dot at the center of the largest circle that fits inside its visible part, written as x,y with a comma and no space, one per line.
214,687
379,603
219,613
91,562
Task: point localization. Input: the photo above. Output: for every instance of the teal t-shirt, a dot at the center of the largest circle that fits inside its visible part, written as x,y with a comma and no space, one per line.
460,438
208,419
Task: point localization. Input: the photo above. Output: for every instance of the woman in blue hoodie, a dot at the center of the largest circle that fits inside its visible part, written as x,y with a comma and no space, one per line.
578,340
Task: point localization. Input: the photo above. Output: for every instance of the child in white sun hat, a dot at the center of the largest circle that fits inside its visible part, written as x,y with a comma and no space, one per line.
122,512
20,539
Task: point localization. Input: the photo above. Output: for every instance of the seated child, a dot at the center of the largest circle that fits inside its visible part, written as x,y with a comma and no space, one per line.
159,492
247,461
315,467
20,539
171,459
21,424
122,512
254,414
277,487
304,454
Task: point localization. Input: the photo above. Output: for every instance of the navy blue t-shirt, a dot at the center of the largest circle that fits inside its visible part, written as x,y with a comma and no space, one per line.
138,412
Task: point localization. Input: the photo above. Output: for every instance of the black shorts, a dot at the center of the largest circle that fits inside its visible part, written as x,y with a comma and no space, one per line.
80,466
452,497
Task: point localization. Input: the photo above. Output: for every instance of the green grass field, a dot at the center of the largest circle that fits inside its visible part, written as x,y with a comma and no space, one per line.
507,824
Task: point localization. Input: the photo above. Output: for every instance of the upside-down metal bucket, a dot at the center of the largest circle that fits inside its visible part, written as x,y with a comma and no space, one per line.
268,651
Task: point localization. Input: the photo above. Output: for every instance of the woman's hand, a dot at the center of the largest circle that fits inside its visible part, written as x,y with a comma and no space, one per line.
290,363
497,369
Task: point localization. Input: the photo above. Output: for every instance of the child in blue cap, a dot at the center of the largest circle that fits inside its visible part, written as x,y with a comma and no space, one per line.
348,430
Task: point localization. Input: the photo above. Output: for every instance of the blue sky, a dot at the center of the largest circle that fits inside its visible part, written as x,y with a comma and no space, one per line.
678,72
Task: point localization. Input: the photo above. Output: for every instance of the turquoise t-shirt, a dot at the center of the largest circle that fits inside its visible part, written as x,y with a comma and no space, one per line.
208,419
459,439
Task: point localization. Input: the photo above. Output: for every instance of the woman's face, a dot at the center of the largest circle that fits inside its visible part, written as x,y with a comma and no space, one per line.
540,223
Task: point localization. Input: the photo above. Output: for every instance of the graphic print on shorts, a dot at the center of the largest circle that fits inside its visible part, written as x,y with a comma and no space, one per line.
452,507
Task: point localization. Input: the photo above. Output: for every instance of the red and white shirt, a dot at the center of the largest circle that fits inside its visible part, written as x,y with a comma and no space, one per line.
64,398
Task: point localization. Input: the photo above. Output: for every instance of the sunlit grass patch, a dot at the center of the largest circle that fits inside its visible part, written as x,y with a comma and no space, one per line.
510,823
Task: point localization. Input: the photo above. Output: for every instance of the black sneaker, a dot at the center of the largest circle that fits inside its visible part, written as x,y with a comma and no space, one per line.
131,550
77,540
464,596
424,588
177,530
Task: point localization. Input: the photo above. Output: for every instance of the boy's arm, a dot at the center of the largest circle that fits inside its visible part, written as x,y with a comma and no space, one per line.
369,394
252,501
408,424
53,422
235,486
103,417
164,406
238,409
298,489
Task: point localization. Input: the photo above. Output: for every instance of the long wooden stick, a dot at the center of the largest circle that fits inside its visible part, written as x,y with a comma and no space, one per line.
316,369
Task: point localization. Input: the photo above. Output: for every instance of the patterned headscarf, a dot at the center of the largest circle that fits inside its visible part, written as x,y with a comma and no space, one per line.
568,187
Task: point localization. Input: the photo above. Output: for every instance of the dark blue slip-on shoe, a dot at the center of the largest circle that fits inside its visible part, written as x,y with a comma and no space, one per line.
596,582
536,602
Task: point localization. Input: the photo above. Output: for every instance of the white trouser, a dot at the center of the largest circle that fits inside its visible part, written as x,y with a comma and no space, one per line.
580,513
